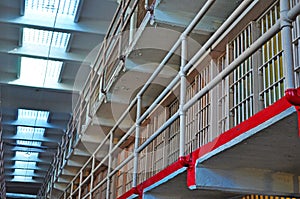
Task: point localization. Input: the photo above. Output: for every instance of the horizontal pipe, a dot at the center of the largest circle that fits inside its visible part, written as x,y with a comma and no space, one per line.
158,131
127,134
294,12
159,68
122,164
190,27
124,114
198,17
248,52
217,34
158,99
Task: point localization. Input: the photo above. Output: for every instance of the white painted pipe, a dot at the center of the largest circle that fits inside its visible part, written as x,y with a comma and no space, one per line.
136,141
208,44
109,166
158,131
121,165
182,113
159,98
286,33
146,4
127,134
217,34
220,31
294,12
198,17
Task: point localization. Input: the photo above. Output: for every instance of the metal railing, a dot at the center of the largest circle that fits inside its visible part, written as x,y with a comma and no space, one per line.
193,109
98,81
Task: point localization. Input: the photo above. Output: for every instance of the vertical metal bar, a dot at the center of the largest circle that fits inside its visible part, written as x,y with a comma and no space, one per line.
136,143
287,45
263,62
182,97
242,78
227,90
92,175
109,165
234,86
80,184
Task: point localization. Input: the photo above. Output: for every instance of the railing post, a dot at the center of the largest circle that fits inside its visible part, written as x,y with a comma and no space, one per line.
182,113
136,143
109,165
92,176
286,26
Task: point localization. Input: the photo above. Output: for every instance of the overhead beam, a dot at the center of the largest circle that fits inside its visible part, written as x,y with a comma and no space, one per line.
31,149
36,180
86,26
37,168
78,11
36,175
42,52
22,7
55,125
37,160
49,139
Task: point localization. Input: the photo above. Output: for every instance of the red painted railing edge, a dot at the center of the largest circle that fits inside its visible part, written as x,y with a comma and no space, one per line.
257,119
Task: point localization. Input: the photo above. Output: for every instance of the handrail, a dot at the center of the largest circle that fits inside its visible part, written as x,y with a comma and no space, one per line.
153,76
186,67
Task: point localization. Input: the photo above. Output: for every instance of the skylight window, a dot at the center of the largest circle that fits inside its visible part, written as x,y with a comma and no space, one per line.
23,154
29,143
45,38
52,7
22,178
30,133
33,114
24,172
39,72
25,164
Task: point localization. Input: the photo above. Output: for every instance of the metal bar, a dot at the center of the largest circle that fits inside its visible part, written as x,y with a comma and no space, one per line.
124,114
287,44
123,139
109,166
158,131
122,164
294,12
136,143
113,21
217,34
248,52
159,98
182,113
198,17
